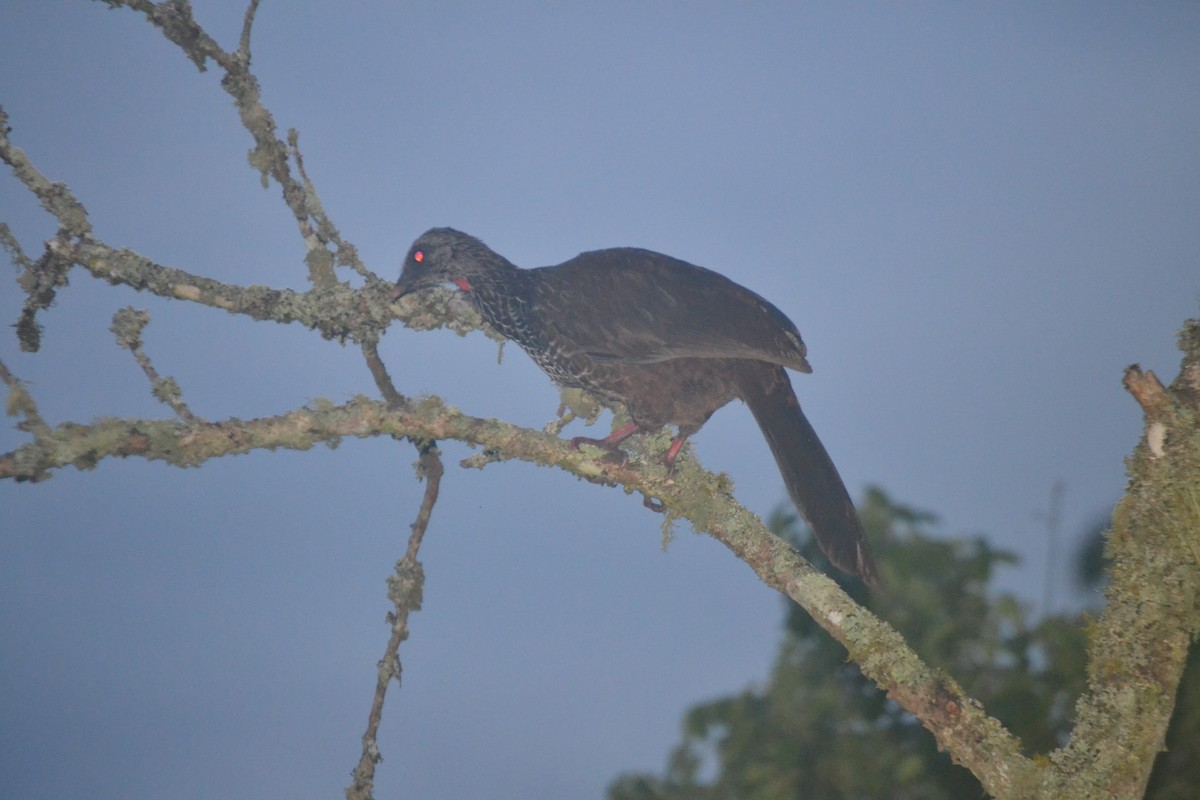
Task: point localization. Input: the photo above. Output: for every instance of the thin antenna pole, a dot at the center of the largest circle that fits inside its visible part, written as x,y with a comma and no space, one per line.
1052,524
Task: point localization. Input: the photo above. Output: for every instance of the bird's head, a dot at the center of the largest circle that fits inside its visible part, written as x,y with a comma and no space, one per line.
443,255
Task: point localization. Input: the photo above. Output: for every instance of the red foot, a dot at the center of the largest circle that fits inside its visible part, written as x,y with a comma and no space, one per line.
611,441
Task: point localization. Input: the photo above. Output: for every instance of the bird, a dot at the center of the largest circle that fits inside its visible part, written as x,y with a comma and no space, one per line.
670,341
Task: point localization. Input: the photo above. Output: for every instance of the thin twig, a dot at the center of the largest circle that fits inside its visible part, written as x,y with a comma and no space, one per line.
405,585
127,326
20,401
346,254
383,381
42,279
56,198
270,154
247,24
405,588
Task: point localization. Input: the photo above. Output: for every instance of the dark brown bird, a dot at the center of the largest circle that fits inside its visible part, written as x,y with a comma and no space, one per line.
670,341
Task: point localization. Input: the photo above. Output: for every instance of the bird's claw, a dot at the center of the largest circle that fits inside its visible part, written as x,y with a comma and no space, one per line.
603,444
613,455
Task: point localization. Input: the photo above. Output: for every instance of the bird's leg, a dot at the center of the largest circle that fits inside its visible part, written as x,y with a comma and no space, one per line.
609,442
622,433
668,459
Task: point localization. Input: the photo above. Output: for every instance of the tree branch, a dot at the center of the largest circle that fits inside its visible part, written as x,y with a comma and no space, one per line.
127,327
405,589
1138,645
405,585
21,402
42,279
337,311
976,740
270,154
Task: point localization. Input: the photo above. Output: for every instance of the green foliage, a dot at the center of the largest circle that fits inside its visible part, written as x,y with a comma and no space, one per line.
819,729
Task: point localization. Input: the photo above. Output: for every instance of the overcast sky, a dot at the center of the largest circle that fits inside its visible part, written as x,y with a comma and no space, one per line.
977,215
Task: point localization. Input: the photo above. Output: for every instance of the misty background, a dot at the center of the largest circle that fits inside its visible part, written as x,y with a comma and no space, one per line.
976,215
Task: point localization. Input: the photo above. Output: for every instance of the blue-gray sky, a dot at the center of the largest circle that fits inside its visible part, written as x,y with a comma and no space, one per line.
976,214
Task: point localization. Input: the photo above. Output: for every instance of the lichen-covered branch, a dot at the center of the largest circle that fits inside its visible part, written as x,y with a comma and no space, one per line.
337,311
270,154
405,585
690,493
40,279
405,590
1139,645
56,198
127,327
21,403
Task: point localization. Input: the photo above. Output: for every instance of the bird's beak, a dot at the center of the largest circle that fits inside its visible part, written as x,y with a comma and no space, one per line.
401,288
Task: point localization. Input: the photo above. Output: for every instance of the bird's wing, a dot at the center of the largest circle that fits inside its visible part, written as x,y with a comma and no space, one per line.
633,305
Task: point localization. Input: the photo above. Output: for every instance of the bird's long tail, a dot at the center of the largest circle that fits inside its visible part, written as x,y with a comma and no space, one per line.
810,476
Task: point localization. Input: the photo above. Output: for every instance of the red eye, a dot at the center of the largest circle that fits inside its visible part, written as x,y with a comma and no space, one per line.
419,256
